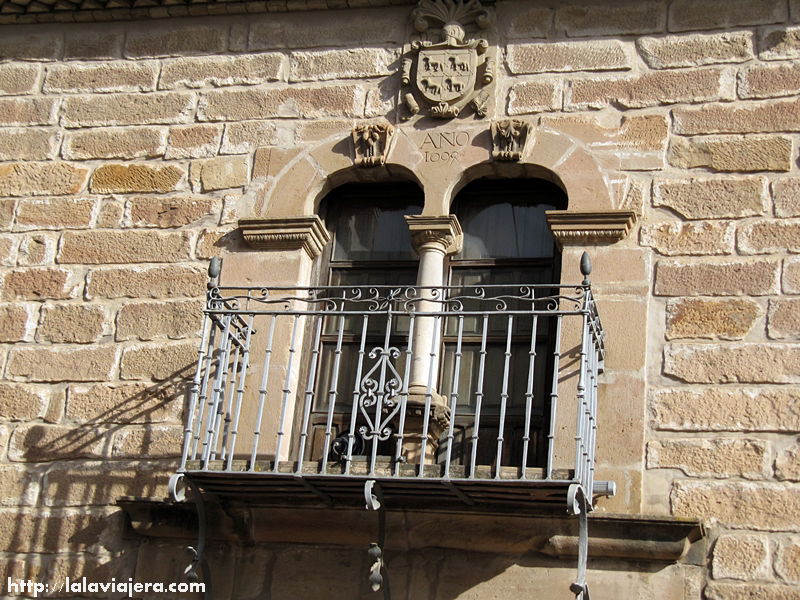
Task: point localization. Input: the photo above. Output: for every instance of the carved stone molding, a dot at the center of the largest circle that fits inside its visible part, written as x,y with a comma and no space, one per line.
585,227
306,233
371,143
509,138
444,231
442,77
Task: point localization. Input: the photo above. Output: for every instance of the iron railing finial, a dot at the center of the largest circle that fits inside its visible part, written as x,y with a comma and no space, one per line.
586,267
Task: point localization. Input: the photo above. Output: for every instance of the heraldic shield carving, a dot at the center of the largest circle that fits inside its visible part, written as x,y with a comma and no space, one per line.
453,72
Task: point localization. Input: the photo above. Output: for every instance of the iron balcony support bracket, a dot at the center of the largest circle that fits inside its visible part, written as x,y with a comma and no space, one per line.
177,490
378,575
579,504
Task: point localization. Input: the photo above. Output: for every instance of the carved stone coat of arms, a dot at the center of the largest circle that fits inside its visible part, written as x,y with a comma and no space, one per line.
445,76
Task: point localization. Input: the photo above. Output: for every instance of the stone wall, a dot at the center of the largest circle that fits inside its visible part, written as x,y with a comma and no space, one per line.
130,150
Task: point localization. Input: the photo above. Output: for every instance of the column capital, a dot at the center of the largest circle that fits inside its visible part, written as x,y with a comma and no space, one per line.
294,233
443,232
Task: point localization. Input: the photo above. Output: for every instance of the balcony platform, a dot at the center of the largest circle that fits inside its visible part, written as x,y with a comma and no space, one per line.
506,488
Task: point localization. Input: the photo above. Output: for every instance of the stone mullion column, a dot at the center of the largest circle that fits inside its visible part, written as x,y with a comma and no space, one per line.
433,238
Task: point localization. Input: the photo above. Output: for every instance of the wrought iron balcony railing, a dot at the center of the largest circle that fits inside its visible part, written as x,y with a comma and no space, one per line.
490,390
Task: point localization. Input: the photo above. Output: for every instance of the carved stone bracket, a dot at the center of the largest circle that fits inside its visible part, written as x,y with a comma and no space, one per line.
584,227
509,138
306,233
371,143
444,231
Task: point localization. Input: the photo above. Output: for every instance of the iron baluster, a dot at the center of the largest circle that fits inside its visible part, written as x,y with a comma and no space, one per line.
504,398
286,393
478,398
526,437
262,392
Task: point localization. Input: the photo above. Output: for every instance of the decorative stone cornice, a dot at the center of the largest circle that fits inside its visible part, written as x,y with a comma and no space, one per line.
444,231
295,233
587,227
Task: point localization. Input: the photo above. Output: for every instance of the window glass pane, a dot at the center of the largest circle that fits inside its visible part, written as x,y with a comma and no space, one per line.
367,221
524,231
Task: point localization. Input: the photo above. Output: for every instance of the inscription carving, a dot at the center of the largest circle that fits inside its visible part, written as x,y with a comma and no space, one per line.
446,75
444,146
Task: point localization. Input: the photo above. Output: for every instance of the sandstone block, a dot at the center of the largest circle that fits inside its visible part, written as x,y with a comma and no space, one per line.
7,208
314,131
523,21
768,237
54,213
221,71
16,79
341,64
13,323
786,197
128,109
599,19
121,179
768,117
750,591
108,76
783,318
694,50
151,441
71,323
787,561
685,15
99,483
245,137
24,112
37,443
533,97
352,28
712,198
193,141
21,402
92,363
743,557
31,46
211,242
128,403
268,162
40,284
37,249
787,464
600,55
779,43
18,486
791,276
733,363
740,505
97,247
93,46
269,103
67,530
769,81
8,247
115,142
96,568
28,143
650,89
159,362
673,238
41,179
168,41
221,173
150,320
728,319
147,282
110,214
745,154
726,409
729,278
712,458
175,211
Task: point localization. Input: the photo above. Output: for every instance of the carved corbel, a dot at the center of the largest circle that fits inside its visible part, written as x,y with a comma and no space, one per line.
587,227
306,233
509,138
371,143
